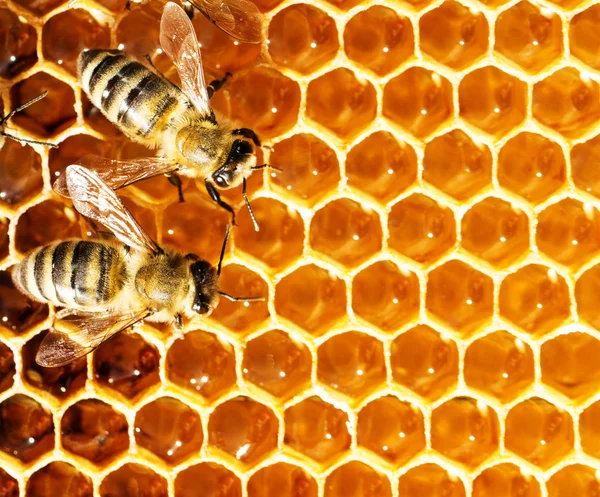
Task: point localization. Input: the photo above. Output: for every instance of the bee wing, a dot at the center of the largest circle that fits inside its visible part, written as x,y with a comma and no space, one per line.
86,332
240,19
178,40
95,200
119,173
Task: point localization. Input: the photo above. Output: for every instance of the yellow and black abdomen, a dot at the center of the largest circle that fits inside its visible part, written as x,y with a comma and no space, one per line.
132,97
74,274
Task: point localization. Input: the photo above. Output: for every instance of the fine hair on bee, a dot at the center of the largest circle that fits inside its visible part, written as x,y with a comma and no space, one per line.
105,286
178,122
4,120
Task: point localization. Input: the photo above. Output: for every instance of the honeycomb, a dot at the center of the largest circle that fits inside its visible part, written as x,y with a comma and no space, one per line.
430,254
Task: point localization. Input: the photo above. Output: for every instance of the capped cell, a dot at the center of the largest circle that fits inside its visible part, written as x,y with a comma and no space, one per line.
21,172
19,49
18,313
583,38
430,480
282,480
216,481
505,480
357,478
55,478
129,478
574,479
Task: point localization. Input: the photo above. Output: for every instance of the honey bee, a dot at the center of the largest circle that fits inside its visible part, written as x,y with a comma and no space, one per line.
151,110
4,120
106,286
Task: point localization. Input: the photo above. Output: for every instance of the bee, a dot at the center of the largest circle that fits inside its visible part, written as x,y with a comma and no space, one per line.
151,110
4,120
107,286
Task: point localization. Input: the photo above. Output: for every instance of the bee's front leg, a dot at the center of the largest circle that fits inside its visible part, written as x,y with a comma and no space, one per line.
217,84
176,181
214,194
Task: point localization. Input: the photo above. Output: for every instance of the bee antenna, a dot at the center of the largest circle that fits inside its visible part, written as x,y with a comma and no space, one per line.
269,166
25,140
223,250
241,299
23,107
256,228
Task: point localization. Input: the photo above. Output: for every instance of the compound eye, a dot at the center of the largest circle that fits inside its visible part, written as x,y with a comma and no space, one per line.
242,148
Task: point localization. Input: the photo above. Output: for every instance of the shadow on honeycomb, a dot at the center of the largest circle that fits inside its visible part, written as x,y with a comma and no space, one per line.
430,251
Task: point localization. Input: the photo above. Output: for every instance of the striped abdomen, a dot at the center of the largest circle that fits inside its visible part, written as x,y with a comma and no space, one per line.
138,101
75,274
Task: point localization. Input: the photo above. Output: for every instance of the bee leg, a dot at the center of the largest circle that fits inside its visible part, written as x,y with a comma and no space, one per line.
189,9
176,181
217,84
214,194
178,326
247,133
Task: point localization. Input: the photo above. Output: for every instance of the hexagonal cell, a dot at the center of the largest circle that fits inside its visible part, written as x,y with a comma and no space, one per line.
277,363
381,167
430,480
582,155
129,479
356,478
216,481
94,430
457,165
18,52
535,298
418,100
465,430
390,39
17,312
43,223
460,296
391,428
9,486
265,99
60,382
529,36
531,166
495,231
567,101
237,280
424,361
569,232
589,430
59,478
49,116
341,102
72,149
539,432
504,480
311,298
500,365
454,35
25,441
492,100
421,229
280,240
317,429
569,364
7,367
169,429
4,240
385,295
585,296
584,42
244,429
138,31
346,232
127,364
21,171
65,35
351,363
201,363
303,38
309,167
39,8
575,479
282,480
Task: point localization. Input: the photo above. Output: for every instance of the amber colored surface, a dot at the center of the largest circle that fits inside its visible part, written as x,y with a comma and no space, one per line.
59,479
39,7
583,36
4,240
277,363
60,382
18,51
430,480
94,430
539,432
575,479
589,430
130,480
585,288
317,429
391,428
531,166
282,480
356,479
201,363
244,429
495,231
586,178
7,367
21,171
127,364
535,298
500,365
9,487
505,480
454,35
17,312
217,481
73,149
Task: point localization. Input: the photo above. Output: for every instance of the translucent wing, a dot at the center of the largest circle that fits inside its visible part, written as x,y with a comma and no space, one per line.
80,334
240,19
95,200
178,40
119,173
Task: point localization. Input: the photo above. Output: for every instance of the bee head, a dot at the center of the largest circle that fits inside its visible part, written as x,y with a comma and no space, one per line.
238,165
205,281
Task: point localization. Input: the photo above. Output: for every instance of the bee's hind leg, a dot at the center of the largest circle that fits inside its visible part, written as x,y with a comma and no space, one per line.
176,181
217,84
